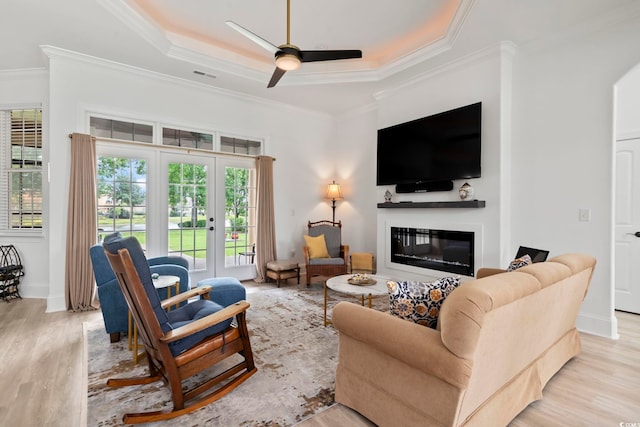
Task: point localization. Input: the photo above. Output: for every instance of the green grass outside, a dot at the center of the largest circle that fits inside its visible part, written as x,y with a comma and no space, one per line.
179,239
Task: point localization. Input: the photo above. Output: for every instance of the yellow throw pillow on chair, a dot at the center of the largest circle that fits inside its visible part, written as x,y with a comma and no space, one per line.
317,246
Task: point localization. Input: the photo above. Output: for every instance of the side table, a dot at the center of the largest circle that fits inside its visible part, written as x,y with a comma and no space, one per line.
159,283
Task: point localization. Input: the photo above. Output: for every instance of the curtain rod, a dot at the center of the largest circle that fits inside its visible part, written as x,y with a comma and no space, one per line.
188,149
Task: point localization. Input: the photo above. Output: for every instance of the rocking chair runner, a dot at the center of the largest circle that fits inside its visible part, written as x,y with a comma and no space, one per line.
183,342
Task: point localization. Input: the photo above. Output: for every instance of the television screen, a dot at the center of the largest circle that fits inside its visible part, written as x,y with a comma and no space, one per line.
441,147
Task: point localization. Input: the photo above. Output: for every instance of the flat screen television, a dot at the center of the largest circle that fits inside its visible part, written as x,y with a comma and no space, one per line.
433,149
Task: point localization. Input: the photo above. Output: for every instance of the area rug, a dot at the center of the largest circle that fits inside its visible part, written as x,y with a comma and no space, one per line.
296,357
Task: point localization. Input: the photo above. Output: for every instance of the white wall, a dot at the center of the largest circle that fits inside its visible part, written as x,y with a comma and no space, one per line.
354,153
295,137
562,150
28,88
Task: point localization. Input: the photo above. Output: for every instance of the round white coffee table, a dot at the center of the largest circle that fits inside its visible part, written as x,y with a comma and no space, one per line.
341,285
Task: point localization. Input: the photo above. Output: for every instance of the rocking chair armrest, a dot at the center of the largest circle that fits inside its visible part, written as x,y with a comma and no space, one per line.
176,299
205,322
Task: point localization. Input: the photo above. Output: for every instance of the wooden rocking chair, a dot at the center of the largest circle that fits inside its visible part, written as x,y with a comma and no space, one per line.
176,346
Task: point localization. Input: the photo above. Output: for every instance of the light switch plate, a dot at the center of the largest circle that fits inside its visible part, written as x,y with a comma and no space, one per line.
584,214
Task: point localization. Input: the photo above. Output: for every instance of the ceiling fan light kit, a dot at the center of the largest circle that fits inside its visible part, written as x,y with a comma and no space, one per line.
289,57
287,61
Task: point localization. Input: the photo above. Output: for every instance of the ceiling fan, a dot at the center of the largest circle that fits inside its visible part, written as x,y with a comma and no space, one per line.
289,57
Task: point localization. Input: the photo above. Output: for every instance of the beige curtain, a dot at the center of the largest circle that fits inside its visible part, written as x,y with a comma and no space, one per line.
266,227
82,224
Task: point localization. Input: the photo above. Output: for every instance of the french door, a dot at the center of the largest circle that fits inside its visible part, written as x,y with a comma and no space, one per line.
199,207
188,184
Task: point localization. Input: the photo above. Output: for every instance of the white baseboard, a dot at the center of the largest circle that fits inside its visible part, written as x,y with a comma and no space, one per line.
34,291
597,325
56,303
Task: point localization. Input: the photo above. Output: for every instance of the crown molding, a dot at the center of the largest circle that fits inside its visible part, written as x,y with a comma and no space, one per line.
223,60
506,50
138,23
20,73
54,52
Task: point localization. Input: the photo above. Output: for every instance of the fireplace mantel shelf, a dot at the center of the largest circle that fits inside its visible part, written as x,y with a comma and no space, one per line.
432,205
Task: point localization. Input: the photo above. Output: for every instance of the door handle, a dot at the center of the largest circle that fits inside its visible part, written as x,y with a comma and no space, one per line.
637,234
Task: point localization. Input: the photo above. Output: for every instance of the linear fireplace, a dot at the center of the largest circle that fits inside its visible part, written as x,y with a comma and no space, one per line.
443,250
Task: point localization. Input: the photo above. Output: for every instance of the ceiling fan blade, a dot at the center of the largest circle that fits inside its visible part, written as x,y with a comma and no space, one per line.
253,37
328,55
275,78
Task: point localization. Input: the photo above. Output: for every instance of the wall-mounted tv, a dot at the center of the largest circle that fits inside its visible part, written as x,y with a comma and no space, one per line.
432,150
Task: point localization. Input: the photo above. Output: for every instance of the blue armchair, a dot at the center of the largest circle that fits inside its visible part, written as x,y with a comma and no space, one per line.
112,303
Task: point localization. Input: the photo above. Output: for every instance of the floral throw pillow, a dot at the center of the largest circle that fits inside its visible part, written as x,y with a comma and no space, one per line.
420,302
519,262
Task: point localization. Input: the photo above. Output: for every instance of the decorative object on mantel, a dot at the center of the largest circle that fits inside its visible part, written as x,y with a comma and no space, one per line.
466,192
387,196
334,193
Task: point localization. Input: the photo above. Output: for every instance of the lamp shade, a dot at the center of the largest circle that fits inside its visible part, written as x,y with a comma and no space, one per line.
333,191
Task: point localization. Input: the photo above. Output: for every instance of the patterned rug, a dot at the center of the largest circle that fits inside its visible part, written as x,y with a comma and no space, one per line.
296,357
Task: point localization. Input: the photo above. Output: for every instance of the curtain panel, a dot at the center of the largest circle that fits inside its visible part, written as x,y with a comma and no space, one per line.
82,224
266,227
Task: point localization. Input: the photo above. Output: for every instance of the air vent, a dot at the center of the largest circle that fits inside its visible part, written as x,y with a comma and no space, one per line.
202,73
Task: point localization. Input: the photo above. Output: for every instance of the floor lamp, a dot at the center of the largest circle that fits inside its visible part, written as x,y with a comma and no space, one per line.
334,193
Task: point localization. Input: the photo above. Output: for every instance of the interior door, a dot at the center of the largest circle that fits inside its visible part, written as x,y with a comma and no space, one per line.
627,212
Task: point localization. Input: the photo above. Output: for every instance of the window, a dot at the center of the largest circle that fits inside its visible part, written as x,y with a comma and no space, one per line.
21,169
240,218
122,197
116,129
184,138
240,146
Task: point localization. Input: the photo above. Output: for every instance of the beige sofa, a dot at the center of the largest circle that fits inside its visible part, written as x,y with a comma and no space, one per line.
499,340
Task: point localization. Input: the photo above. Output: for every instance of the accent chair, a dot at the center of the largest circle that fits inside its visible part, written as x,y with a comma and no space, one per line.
112,303
324,253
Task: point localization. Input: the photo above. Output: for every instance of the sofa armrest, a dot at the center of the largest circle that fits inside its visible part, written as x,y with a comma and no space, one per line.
484,272
113,306
416,345
172,260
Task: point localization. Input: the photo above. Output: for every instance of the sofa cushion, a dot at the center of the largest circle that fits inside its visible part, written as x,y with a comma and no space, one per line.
420,302
317,246
517,263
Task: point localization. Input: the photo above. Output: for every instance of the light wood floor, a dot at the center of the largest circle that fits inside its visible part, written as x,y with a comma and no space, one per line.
43,376
42,365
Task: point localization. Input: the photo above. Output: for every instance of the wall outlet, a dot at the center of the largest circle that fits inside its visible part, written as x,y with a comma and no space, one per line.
584,214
